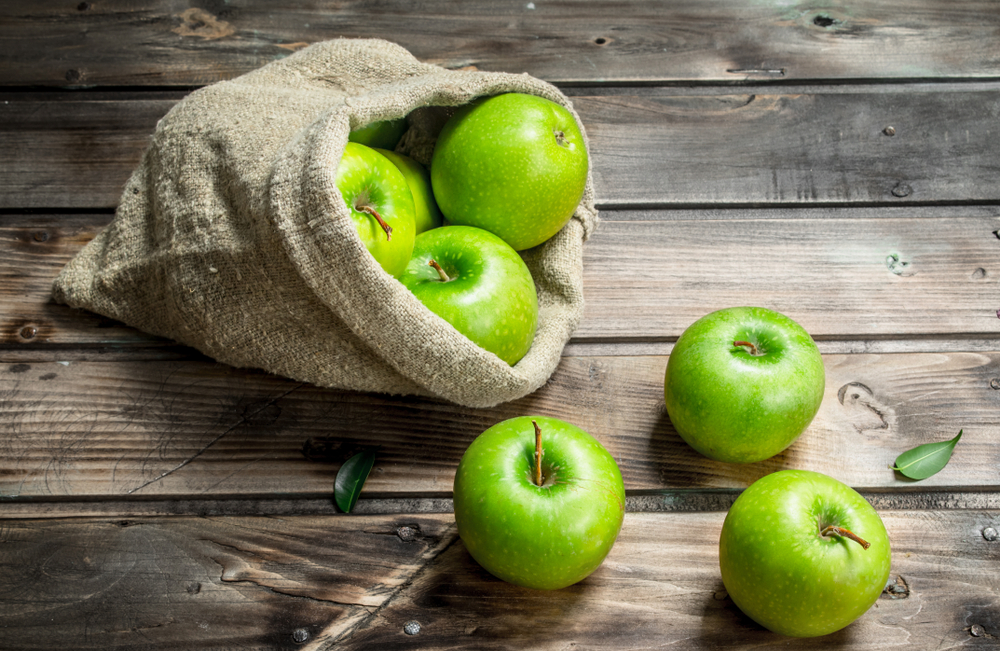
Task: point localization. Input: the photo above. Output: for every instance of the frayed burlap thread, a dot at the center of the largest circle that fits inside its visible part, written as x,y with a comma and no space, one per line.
231,236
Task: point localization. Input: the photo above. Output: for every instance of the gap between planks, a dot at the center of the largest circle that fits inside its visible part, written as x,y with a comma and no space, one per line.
636,501
639,347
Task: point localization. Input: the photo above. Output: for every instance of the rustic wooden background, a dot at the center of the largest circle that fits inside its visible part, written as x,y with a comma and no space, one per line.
837,162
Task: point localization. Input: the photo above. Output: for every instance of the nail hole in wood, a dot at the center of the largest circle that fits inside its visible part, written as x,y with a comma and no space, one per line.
600,40
824,21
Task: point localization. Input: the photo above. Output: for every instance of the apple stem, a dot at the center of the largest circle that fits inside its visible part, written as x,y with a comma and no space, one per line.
844,533
381,222
538,454
753,350
444,277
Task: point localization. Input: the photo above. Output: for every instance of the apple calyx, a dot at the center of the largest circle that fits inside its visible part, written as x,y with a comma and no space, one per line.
444,276
749,347
834,530
364,207
539,480
561,138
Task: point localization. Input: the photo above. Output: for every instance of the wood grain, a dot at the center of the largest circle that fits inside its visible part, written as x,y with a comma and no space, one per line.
648,275
152,498
201,430
658,148
213,583
354,582
660,587
836,276
125,43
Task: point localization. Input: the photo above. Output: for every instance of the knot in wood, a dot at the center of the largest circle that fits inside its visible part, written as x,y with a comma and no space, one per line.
407,533
896,588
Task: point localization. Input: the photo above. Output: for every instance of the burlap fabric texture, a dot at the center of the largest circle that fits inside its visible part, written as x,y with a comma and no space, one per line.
231,236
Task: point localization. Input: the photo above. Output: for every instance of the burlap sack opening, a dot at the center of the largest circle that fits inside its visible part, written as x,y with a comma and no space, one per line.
231,236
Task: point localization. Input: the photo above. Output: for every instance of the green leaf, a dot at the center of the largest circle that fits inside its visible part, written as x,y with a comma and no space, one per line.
351,478
925,460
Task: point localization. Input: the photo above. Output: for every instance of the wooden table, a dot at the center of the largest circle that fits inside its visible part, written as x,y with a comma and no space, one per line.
836,162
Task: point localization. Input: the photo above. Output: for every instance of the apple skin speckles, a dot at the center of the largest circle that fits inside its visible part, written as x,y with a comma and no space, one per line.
498,164
734,406
367,178
544,537
489,282
783,573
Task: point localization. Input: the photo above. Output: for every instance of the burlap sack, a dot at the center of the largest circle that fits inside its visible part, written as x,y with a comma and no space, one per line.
231,236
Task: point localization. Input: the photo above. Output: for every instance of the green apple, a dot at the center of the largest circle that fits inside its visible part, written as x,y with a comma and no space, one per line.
380,203
513,164
803,554
538,502
473,280
384,134
419,180
743,383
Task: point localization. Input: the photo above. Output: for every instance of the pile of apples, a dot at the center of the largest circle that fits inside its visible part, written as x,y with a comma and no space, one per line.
507,173
540,502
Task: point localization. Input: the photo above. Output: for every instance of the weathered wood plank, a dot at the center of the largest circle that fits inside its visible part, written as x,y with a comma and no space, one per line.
116,43
33,249
210,583
835,276
660,587
810,148
657,148
179,583
72,153
648,275
680,500
198,429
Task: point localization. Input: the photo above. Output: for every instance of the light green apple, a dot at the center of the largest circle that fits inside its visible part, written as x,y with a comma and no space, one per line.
743,383
514,164
543,521
383,134
380,203
803,554
419,179
473,280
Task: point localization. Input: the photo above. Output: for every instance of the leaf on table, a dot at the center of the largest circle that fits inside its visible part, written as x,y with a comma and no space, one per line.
351,479
925,460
